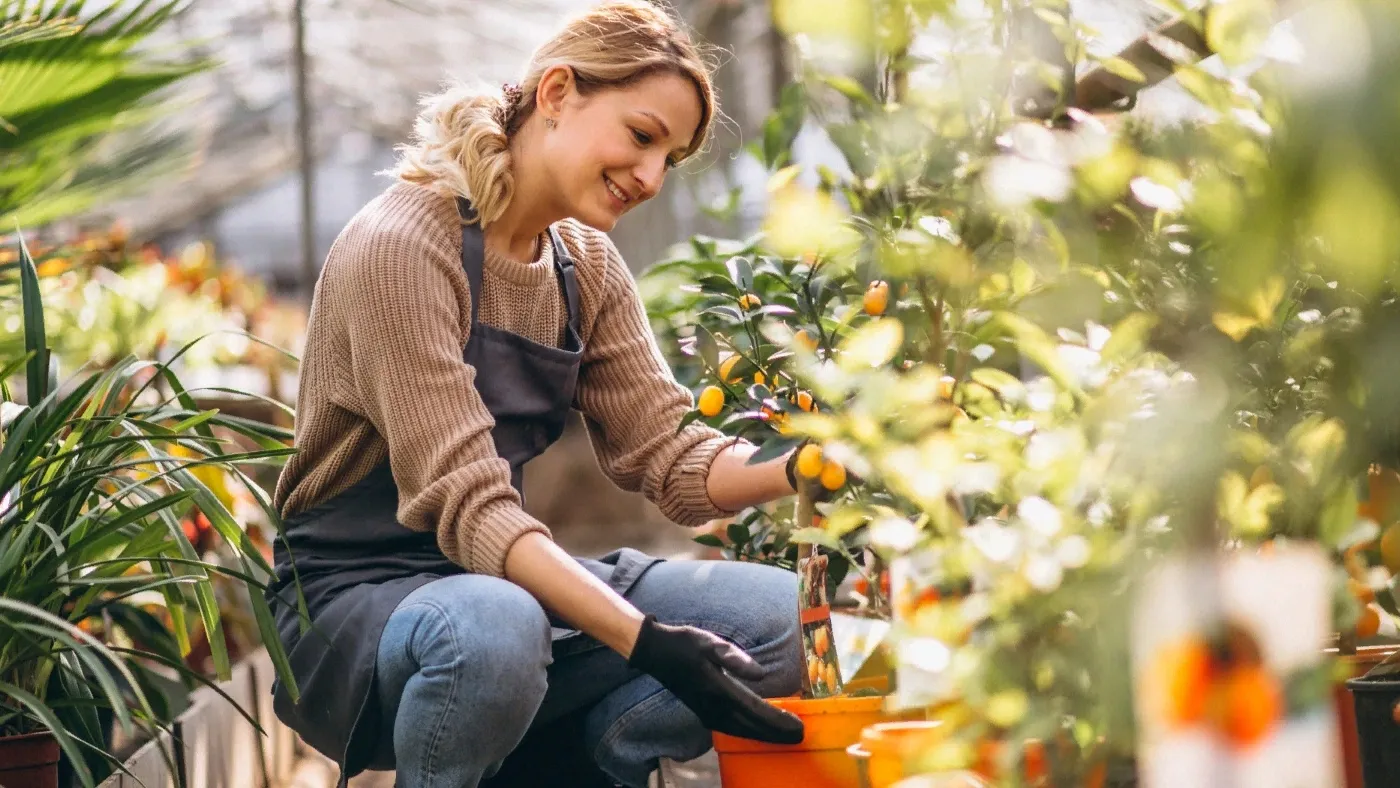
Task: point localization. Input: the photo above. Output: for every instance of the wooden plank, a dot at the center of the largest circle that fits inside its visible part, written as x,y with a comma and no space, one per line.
1099,89
149,766
221,748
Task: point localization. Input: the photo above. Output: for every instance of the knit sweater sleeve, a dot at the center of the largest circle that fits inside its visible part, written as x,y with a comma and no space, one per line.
632,404
407,315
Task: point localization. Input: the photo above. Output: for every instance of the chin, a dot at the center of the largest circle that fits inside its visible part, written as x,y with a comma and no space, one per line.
600,219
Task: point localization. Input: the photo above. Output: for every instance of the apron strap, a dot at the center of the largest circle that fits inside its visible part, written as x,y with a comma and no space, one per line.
568,279
473,255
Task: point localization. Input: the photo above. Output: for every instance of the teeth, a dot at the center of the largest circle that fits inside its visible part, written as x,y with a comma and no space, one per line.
618,193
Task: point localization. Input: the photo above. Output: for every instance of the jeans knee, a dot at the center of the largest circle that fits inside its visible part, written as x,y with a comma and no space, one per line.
489,632
775,631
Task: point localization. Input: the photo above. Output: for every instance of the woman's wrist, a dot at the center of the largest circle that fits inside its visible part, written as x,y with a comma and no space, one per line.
563,587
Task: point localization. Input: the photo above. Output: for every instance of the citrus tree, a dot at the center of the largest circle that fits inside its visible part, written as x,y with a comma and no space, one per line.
1056,349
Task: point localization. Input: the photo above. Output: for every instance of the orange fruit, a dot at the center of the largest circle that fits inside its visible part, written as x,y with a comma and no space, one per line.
750,301
1184,677
759,378
809,461
833,475
1369,623
877,298
814,670
711,401
832,680
726,367
1250,704
1390,548
804,401
1035,762
820,642
805,340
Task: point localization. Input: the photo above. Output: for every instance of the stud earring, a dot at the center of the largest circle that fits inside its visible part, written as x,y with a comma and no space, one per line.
549,123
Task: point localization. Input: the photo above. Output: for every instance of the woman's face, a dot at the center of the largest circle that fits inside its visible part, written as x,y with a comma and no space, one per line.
610,151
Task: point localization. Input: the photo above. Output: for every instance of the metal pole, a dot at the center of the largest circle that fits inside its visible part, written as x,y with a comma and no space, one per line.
305,154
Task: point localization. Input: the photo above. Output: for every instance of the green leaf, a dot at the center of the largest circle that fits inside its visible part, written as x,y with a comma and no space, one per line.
849,88
772,449
740,272
708,540
1123,68
34,339
738,534
814,536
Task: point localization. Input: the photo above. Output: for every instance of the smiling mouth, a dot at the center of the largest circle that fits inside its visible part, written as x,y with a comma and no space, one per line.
616,191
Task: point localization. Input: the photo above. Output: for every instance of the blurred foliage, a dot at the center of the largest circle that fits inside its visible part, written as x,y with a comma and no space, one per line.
78,94
1095,340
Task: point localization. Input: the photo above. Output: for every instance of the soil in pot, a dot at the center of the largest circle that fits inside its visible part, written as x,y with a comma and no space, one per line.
29,760
820,761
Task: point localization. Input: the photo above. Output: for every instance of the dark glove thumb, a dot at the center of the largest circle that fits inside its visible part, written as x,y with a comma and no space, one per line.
737,661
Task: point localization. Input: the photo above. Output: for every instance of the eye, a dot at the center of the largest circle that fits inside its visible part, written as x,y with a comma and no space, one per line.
641,137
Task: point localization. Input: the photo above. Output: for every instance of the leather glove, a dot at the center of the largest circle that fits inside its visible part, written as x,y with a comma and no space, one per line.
694,665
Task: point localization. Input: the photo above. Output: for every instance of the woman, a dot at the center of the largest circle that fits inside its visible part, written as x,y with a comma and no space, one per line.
457,320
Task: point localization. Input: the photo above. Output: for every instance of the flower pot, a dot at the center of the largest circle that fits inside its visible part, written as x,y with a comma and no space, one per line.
819,761
1377,706
1356,664
29,760
889,746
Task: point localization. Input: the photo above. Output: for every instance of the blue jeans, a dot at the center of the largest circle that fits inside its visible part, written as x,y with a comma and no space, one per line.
466,666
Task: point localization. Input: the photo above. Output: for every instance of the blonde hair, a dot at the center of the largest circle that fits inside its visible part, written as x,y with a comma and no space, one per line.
460,140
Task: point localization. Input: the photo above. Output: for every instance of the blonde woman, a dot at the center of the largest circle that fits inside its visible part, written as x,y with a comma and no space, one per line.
459,317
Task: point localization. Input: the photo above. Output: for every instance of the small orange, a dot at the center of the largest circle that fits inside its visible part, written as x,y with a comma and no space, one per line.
945,386
1184,677
1369,623
750,301
727,366
806,340
877,298
759,378
833,475
804,401
1250,705
832,680
814,670
711,401
820,642
809,461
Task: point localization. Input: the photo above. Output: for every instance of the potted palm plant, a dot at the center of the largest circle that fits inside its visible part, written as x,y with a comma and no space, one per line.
96,476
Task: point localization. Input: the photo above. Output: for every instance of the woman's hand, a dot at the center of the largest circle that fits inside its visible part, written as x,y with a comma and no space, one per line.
690,662
695,666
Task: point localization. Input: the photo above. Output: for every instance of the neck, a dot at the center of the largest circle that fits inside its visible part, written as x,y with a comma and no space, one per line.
530,212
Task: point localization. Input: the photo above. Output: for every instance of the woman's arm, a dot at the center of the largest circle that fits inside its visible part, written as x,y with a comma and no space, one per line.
563,586
733,484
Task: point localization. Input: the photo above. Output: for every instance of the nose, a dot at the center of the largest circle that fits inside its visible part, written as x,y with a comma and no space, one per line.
650,174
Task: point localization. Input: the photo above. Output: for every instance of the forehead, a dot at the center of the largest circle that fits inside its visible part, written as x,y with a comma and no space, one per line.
671,97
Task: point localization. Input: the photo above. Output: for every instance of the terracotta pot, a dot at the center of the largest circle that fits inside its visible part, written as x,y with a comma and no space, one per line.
820,761
29,760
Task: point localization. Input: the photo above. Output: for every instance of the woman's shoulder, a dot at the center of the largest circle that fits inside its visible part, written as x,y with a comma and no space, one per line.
405,217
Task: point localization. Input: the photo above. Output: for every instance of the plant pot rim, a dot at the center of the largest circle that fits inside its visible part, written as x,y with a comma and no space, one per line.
838,704
16,737
1377,684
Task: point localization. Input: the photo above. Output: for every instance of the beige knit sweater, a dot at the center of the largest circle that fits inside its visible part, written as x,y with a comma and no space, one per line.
382,376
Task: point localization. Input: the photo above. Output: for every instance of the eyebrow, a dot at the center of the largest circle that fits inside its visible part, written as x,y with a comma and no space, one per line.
665,130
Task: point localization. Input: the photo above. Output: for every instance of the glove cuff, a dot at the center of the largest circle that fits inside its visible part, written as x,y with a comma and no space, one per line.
640,649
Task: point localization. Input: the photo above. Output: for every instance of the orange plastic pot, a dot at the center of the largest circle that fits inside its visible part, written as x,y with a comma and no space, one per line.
891,745
819,761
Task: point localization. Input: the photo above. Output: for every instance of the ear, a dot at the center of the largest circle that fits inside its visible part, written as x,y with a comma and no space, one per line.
556,86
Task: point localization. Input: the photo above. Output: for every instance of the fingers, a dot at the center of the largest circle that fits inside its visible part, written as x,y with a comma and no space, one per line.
737,661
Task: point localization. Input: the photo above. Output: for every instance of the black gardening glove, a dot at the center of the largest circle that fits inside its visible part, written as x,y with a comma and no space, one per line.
692,664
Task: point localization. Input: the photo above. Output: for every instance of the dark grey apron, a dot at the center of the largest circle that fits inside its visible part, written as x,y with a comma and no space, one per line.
355,562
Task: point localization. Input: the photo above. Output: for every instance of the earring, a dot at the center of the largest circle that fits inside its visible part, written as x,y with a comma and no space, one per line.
549,123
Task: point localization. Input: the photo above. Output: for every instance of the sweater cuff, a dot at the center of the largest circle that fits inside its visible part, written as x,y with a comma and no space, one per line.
487,546
687,497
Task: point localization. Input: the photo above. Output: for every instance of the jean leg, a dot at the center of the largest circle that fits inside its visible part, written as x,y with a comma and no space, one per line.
753,606
461,671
